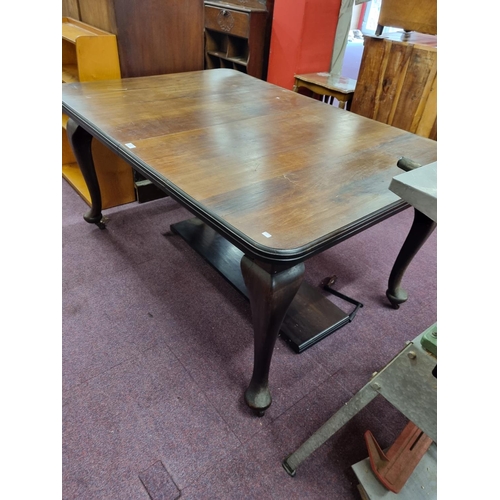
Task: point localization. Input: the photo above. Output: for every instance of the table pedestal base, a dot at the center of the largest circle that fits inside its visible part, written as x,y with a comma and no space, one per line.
310,317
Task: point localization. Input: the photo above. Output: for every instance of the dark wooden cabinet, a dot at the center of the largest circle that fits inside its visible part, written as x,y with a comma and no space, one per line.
237,35
153,37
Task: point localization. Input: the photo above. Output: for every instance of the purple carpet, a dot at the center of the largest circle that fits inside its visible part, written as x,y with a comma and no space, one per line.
157,352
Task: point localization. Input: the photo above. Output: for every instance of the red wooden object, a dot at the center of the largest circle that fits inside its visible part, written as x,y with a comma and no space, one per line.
302,38
394,468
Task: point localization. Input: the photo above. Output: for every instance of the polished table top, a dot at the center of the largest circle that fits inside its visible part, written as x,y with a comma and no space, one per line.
280,175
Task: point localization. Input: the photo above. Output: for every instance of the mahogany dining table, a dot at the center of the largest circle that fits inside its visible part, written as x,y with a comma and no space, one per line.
271,177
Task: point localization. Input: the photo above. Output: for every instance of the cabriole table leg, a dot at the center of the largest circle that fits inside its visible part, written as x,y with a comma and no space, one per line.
270,291
81,143
420,231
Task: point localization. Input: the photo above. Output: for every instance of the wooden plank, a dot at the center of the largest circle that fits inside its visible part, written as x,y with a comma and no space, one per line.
370,74
397,85
71,32
71,172
115,176
68,53
412,93
67,152
70,8
70,73
99,13
395,68
72,29
428,117
174,41
433,132
245,5
98,58
175,36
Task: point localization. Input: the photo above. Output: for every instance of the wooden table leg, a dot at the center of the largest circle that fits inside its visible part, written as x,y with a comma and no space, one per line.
270,291
421,229
81,143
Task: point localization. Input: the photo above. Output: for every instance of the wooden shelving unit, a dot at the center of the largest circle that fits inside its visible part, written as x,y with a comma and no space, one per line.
90,54
237,36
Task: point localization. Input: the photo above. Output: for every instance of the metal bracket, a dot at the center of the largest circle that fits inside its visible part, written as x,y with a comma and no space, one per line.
327,285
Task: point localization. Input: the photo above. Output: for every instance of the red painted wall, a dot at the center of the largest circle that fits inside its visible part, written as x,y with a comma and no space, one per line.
302,38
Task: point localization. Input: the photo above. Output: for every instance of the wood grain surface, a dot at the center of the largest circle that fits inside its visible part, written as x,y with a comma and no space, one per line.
397,83
285,173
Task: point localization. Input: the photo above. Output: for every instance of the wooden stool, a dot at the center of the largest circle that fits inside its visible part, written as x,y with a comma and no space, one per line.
339,87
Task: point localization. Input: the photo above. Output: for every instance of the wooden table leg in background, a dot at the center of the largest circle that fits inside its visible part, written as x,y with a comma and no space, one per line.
81,143
271,290
420,230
